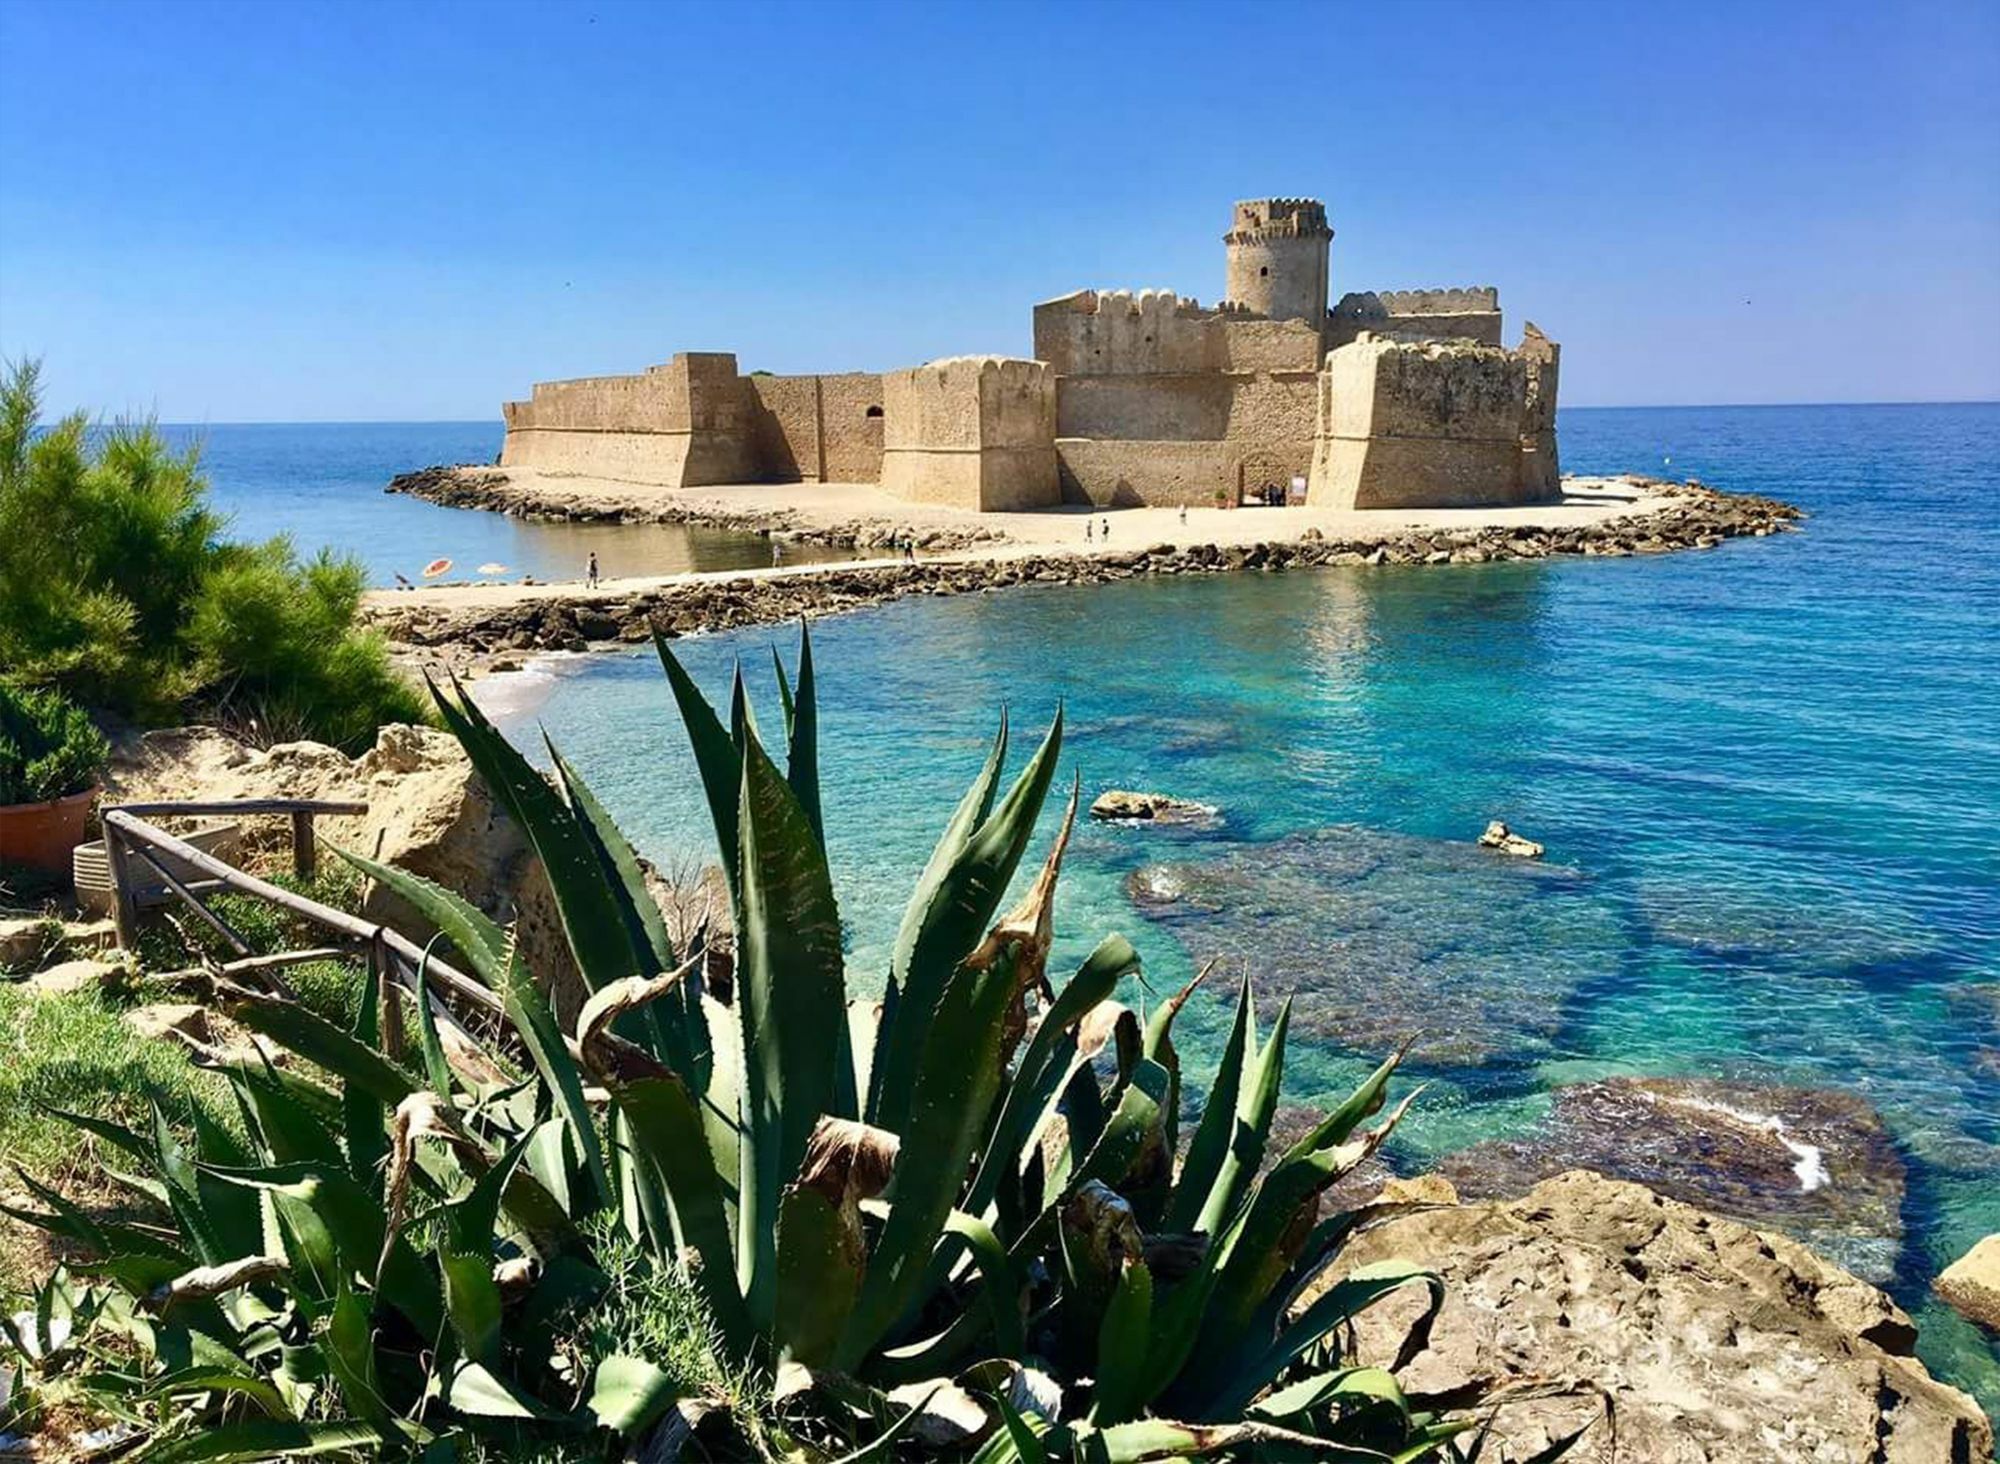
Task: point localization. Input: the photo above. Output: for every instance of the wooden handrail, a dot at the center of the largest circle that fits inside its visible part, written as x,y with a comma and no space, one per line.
243,805
122,827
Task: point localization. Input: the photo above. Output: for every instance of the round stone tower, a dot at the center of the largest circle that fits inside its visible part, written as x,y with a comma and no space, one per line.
1278,258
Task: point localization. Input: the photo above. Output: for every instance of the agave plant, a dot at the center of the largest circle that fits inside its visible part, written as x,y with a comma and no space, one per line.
959,1217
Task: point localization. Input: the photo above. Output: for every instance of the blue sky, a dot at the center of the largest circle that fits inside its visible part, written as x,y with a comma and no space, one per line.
294,211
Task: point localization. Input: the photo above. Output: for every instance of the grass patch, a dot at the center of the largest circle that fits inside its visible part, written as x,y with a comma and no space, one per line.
75,1052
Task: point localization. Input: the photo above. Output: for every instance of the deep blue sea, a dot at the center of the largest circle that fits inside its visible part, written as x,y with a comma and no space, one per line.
1768,777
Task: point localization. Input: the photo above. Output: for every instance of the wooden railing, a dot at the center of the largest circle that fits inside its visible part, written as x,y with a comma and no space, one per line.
130,840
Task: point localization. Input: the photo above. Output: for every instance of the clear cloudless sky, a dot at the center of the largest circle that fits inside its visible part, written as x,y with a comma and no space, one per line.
368,210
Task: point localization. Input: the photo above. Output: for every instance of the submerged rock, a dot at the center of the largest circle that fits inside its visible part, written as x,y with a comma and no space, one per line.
1385,937
1816,1163
1708,1340
1123,804
1499,836
1972,1284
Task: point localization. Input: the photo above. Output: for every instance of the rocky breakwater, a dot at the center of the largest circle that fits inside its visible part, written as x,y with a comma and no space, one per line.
1692,516
1678,1337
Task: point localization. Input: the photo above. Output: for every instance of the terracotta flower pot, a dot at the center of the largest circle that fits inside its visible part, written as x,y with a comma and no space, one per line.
43,835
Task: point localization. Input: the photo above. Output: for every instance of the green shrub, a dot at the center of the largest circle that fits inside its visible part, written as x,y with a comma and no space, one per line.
117,585
49,747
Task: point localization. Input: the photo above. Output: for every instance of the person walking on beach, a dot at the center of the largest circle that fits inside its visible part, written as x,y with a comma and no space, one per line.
590,571
910,548
777,553
1105,533
1089,528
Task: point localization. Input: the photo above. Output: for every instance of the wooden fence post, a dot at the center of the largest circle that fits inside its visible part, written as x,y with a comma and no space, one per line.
305,855
124,908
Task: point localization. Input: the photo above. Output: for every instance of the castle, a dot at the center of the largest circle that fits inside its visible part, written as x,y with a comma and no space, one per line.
1393,399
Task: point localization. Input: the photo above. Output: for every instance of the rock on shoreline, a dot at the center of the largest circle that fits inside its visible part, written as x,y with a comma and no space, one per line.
1696,517
1679,1337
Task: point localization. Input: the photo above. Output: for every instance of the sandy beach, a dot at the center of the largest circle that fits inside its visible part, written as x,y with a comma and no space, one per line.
852,513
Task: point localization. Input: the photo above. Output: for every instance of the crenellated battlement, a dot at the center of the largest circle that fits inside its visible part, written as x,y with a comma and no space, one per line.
1456,300
1259,219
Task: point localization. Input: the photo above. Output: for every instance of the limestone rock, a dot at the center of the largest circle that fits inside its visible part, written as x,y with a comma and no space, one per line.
1713,1343
1972,1283
1418,1189
169,1019
73,976
1123,804
1816,1163
1499,836
427,812
25,942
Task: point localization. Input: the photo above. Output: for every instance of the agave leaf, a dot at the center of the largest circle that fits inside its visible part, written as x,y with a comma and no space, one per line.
105,1237
1210,1145
666,1128
1020,1440
200,1379
785,703
677,1031
820,1258
364,1113
594,925
477,1390
263,1438
437,1069
475,934
1003,1283
336,1228
802,735
790,998
647,928
1256,1103
1317,1391
715,755
628,1394
1123,1388
949,915
527,1007
350,1353
296,1120
472,1301
1272,1232
320,1042
1230,1389
953,1092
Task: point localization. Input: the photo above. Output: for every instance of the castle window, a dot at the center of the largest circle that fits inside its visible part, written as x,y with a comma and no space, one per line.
873,412
1264,271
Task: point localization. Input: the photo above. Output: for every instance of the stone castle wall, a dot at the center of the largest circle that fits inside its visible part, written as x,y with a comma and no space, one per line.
975,432
817,429
696,421
1405,424
1432,315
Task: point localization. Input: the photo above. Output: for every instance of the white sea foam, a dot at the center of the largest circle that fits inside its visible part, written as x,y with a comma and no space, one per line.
1810,1165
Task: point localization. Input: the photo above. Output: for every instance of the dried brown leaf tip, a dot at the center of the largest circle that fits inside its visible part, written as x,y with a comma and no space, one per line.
848,1161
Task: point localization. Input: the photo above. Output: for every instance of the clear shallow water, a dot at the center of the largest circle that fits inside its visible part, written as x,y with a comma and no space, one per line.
321,482
1768,777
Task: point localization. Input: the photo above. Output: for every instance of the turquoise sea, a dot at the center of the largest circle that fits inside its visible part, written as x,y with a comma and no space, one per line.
1768,777
321,482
